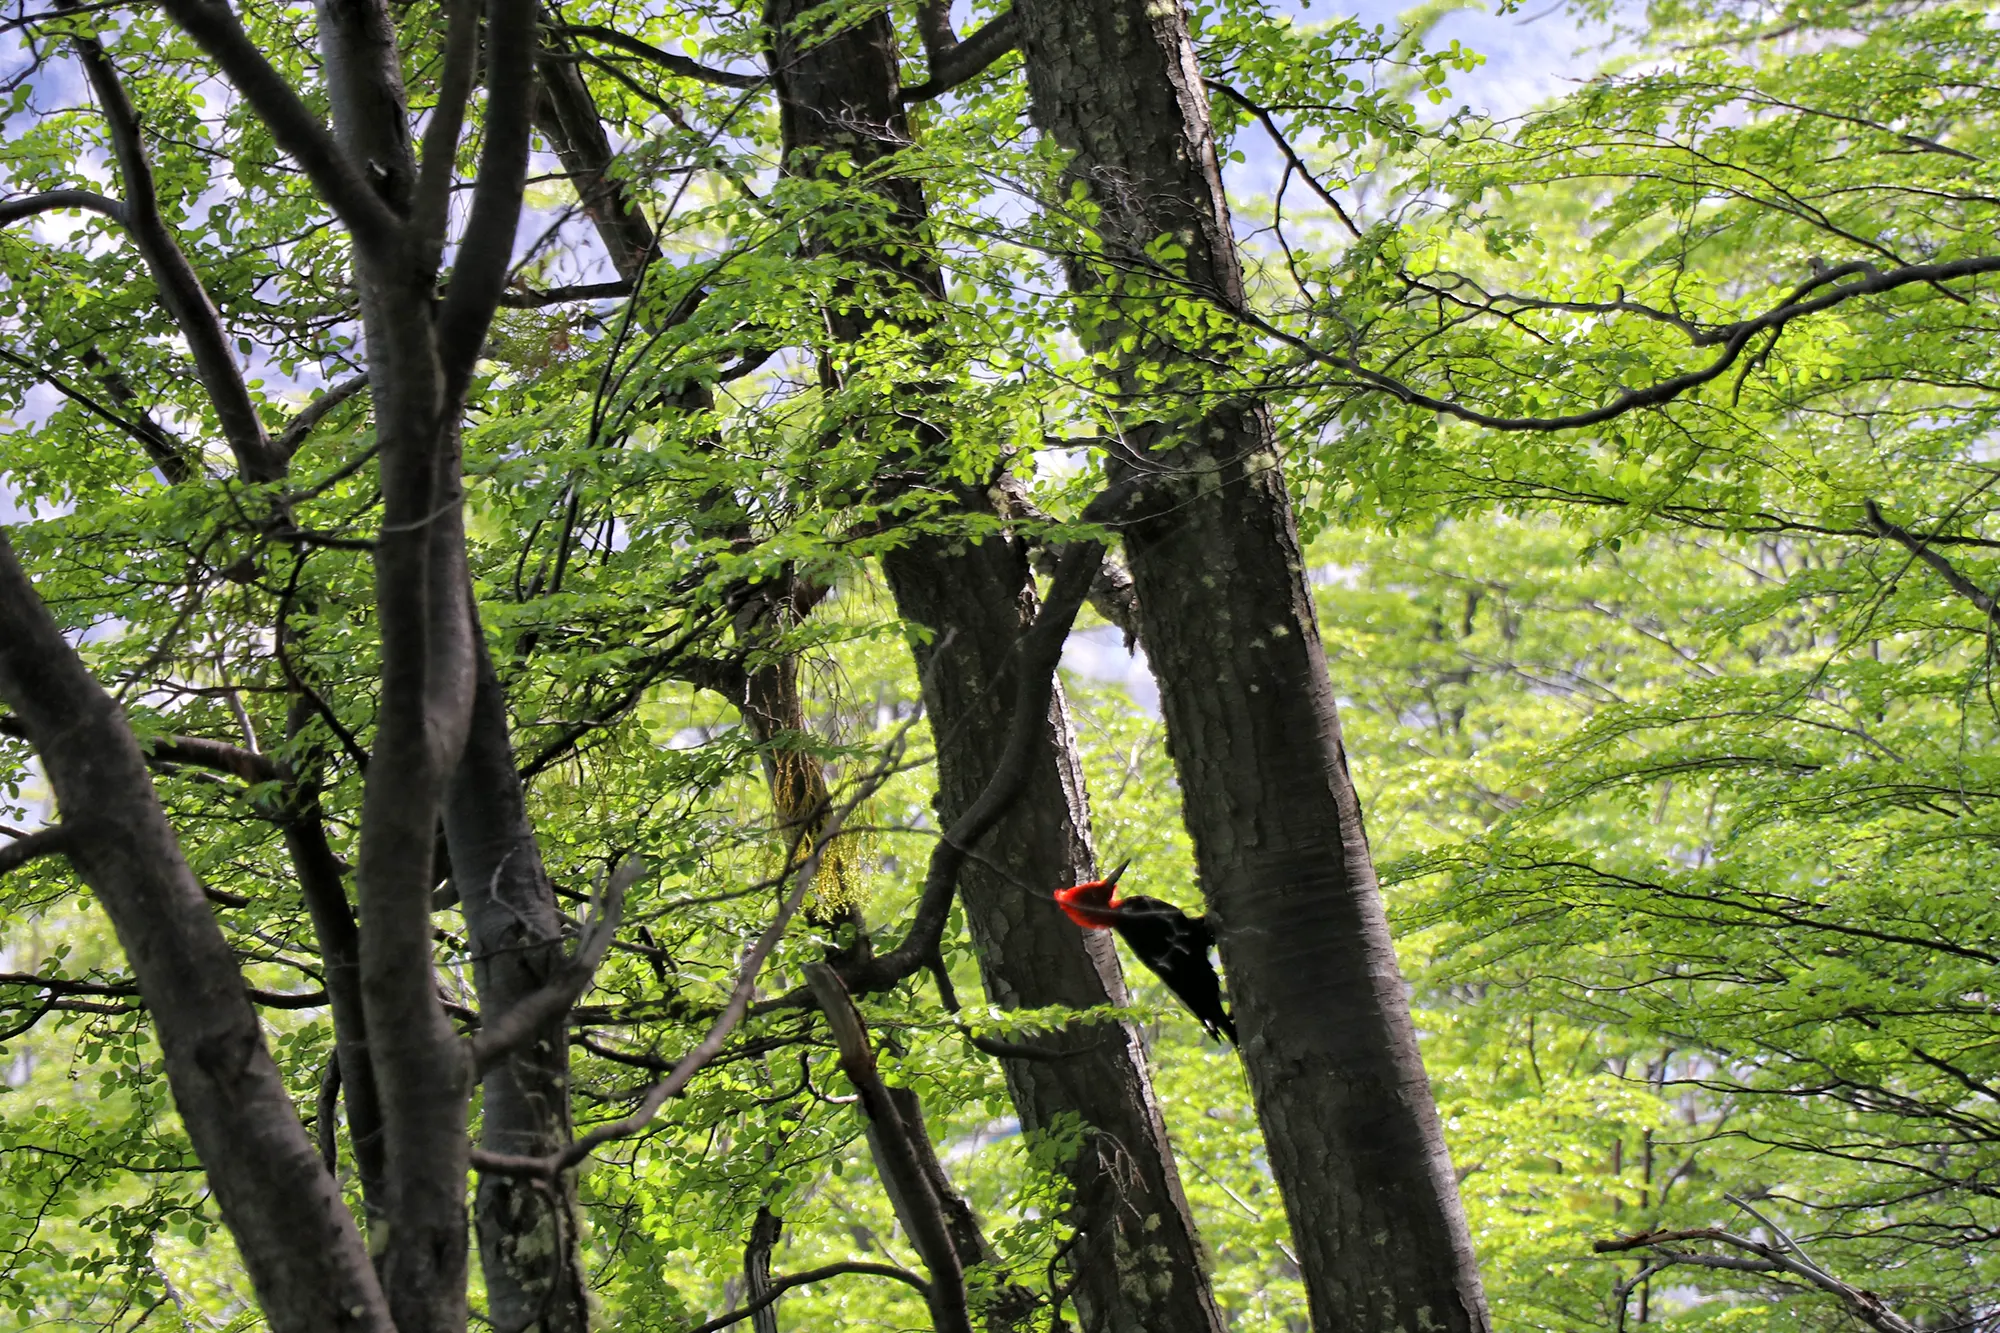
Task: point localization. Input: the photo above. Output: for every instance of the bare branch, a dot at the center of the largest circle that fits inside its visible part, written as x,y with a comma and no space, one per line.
967,60
509,1031
784,1284
1113,595
23,849
684,1070
666,60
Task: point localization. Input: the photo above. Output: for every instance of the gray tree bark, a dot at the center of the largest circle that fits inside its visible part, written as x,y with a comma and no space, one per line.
528,1230
1138,1261
304,1253
1228,621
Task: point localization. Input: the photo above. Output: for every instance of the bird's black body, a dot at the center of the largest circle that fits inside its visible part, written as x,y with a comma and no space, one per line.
1175,945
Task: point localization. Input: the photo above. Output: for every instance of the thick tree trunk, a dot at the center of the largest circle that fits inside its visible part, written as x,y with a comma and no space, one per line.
1138,1263
304,1254
1228,621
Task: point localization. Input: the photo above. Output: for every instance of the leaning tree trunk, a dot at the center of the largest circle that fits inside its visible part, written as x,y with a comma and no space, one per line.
1138,1263
1228,622
305,1256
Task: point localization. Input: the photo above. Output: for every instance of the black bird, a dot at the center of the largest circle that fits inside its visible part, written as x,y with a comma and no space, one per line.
1166,939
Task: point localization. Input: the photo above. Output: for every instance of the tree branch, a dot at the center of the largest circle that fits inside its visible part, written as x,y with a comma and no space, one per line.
784,1284
1863,1305
309,416
1035,660
1920,548
42,842
1733,339
898,1158
505,1034
765,1230
1270,124
53,201
1113,595
966,60
666,60
733,1011
181,291
534,298
194,751
162,450
295,129
486,250
430,205
567,115
61,986
299,1242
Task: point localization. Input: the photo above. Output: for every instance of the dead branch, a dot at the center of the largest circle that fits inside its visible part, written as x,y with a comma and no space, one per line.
899,1157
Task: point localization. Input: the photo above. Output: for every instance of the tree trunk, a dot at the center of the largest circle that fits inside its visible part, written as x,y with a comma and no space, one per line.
1138,1263
1228,622
528,1229
305,1255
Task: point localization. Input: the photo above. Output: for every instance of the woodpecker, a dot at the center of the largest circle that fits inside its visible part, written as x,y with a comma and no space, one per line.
1167,940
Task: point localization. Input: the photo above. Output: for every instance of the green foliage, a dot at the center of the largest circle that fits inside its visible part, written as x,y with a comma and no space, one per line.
1675,728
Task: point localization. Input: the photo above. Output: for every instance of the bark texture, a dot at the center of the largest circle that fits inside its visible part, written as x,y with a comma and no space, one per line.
1228,622
301,1246
1138,1262
528,1229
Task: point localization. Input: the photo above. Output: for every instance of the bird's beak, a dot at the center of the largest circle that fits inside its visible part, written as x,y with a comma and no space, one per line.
1112,878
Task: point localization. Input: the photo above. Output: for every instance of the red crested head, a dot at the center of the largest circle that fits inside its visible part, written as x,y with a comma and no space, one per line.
1092,905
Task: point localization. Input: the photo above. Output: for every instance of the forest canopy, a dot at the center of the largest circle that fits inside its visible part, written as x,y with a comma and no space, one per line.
539,541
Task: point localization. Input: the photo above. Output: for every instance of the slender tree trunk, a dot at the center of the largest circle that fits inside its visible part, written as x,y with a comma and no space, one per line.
1138,1262
1228,621
528,1229
339,936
